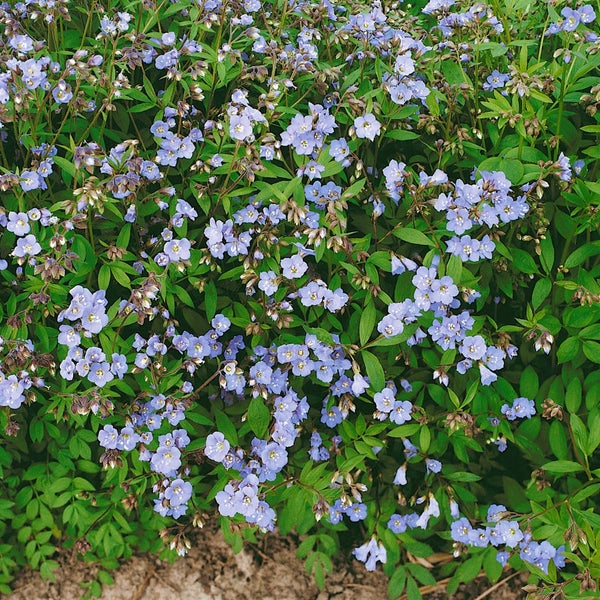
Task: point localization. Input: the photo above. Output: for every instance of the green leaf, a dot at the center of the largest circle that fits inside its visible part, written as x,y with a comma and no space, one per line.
404,430
592,332
547,255
418,548
124,235
573,395
104,277
581,254
568,350
585,492
210,300
182,295
421,573
368,319
226,427
562,466
413,236
592,351
354,189
322,335
454,269
259,417
306,546
120,276
433,104
523,261
412,589
374,371
558,440
424,439
512,168
470,569
529,383
581,316
539,96
453,73
593,422
580,434
401,134
541,291
463,477
492,568
397,583
66,165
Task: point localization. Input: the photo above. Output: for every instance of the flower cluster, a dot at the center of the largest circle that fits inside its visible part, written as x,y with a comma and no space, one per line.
14,386
243,118
398,411
571,20
173,146
277,217
316,293
486,202
87,312
448,330
371,553
507,533
479,16
401,523
522,408
307,134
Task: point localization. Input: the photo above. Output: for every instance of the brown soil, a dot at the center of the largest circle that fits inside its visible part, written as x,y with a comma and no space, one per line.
211,571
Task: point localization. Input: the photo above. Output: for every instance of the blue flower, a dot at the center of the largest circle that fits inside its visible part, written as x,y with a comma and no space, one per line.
371,553
331,416
336,512
460,530
221,324
401,412
274,456
166,460
432,465
587,14
367,126
178,492
108,437
294,267
217,447
62,93
509,533
473,347
571,19
400,477
410,449
100,373
26,246
495,513
94,318
18,223
356,512
397,523
495,81
127,439
522,408
30,180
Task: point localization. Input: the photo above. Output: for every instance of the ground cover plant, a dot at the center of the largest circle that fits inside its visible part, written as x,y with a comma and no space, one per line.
312,267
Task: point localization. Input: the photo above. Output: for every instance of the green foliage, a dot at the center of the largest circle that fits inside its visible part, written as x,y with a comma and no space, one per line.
503,99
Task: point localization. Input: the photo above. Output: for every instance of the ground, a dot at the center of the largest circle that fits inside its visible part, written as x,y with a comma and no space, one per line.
211,571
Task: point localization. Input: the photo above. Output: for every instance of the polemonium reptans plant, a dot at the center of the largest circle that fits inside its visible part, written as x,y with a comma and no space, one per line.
318,267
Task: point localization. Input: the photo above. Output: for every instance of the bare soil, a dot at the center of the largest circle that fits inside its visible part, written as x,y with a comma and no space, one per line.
211,571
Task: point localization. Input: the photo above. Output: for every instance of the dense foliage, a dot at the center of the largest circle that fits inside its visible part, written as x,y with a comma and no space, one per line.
302,267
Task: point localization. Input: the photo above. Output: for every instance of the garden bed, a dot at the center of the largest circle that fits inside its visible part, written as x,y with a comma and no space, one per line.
269,570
